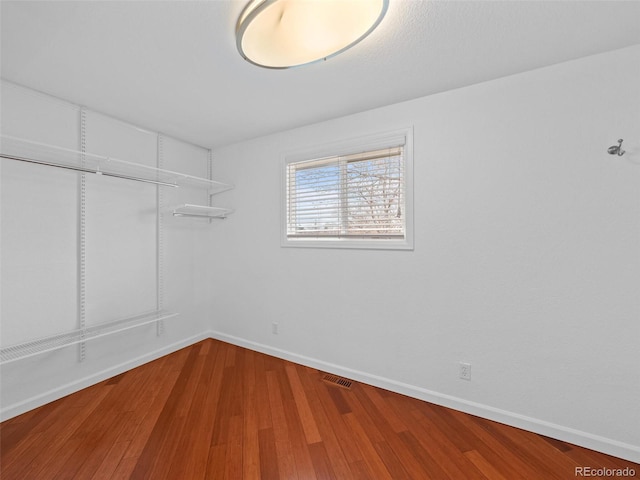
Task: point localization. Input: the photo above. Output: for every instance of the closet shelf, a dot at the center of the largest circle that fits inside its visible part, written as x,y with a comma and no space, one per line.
55,342
202,211
39,153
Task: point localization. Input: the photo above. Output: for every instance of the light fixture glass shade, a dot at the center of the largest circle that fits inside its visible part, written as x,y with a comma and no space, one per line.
288,33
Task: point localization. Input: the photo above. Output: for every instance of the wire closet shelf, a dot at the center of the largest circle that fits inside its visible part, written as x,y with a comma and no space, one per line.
19,149
62,340
201,211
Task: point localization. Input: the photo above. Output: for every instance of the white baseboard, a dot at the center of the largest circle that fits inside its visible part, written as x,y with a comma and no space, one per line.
64,390
566,434
560,432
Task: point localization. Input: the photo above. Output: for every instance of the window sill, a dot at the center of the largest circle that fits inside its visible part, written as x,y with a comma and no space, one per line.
373,244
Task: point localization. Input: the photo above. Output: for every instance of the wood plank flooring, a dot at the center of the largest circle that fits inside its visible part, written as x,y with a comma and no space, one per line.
217,411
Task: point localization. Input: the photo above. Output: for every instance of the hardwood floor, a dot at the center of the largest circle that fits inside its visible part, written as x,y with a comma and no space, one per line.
217,411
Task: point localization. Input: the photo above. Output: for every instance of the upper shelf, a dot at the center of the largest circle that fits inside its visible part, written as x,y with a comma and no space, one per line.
202,211
26,151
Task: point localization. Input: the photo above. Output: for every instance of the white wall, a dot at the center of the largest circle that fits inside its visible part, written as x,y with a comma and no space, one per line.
40,250
526,260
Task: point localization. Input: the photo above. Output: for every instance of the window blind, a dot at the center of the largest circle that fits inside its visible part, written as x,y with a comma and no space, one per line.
359,195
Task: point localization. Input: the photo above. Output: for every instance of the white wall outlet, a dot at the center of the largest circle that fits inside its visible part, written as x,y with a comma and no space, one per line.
465,371
274,328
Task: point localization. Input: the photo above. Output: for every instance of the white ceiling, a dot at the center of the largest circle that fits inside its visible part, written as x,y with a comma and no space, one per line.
172,66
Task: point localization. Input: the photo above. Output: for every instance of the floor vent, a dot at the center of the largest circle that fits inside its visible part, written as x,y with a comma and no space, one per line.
339,381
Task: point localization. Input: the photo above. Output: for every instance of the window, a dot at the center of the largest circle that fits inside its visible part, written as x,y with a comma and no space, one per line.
354,195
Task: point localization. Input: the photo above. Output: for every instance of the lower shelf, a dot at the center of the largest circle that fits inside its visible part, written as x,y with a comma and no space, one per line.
55,342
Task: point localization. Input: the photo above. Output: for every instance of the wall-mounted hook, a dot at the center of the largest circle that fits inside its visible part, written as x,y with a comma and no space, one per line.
616,149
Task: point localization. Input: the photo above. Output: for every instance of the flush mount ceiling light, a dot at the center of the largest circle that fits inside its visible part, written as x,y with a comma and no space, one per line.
289,33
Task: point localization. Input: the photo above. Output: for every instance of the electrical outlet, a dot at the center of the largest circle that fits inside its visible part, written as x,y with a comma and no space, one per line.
465,371
274,328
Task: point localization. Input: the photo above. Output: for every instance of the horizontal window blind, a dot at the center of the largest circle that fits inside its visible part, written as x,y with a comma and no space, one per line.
360,195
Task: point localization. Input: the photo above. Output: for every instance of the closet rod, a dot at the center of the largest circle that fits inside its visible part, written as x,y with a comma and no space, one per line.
87,170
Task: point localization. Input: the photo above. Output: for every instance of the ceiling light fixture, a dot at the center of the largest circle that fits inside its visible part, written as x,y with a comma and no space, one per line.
290,33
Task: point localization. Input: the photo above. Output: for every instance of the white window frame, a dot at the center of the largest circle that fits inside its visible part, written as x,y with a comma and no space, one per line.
346,147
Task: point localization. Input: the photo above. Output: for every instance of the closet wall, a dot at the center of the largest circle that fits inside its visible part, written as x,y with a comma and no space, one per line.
526,260
132,263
